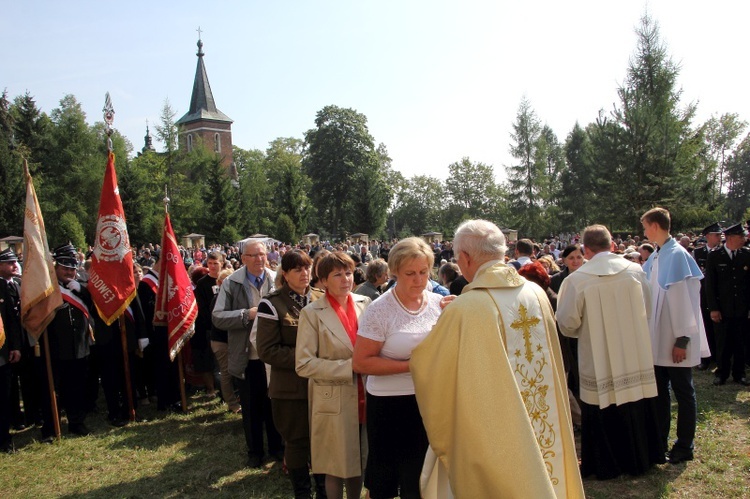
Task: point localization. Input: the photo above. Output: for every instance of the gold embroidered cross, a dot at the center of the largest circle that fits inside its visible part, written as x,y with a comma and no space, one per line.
525,324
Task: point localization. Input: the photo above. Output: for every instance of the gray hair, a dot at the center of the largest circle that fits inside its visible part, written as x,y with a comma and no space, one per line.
480,239
375,269
597,238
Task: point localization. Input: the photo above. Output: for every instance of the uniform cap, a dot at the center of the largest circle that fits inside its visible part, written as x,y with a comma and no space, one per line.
65,255
7,255
714,228
735,230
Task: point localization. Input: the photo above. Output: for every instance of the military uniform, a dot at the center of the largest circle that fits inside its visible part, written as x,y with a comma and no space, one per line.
728,292
69,338
11,343
701,258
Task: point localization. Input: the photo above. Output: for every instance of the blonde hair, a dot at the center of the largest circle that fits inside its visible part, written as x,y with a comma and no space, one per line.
407,249
552,265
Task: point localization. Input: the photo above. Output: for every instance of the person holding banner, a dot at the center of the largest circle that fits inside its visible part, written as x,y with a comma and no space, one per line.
70,335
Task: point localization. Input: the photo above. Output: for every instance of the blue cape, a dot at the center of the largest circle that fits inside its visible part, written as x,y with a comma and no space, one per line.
676,264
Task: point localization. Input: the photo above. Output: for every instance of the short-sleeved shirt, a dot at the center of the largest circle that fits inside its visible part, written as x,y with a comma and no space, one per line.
400,332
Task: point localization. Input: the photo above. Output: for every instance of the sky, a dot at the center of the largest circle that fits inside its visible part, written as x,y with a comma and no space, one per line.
438,80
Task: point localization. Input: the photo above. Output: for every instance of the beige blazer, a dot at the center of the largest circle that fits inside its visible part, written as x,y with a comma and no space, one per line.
324,355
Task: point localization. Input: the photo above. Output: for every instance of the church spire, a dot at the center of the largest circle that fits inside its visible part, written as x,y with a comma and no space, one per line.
202,104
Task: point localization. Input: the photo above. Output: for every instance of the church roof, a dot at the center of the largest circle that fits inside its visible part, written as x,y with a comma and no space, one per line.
202,104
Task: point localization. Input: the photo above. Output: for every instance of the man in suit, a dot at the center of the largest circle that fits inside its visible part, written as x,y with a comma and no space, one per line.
10,343
712,234
69,341
235,311
727,293
24,385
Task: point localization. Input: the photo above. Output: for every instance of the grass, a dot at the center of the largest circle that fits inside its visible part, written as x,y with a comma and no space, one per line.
202,453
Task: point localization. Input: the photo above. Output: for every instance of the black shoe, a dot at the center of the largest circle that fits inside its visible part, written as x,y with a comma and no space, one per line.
118,422
48,439
19,427
702,366
718,381
677,456
254,461
79,429
7,447
742,381
278,455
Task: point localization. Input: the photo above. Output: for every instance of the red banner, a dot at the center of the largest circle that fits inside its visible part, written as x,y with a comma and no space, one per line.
175,302
111,280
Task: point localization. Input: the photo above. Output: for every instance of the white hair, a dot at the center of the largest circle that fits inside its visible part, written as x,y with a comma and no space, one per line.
480,239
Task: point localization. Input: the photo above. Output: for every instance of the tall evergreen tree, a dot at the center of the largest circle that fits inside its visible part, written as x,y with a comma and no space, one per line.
290,185
11,175
527,177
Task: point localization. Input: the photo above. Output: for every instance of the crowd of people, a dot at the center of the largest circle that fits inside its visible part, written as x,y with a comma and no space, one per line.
380,364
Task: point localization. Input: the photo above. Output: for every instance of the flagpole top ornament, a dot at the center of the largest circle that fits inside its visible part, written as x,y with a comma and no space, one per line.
166,199
109,118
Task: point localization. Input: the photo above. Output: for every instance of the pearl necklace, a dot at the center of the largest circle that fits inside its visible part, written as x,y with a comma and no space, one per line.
408,311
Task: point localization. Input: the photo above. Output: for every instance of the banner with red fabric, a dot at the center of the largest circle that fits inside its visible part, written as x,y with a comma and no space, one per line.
111,280
176,308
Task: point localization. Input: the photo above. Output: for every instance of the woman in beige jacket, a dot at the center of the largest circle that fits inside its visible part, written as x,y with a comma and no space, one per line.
325,342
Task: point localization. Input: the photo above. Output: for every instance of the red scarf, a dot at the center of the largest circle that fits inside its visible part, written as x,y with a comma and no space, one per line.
349,320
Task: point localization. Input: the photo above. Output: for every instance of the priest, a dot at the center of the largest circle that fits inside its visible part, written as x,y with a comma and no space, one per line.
496,407
606,305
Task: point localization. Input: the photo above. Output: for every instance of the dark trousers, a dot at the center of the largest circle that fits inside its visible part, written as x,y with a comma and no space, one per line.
166,372
397,443
708,324
730,340
680,379
256,410
111,367
5,410
25,387
291,419
68,376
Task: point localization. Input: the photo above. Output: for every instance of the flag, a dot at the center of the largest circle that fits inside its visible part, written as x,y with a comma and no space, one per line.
111,281
40,292
2,332
175,301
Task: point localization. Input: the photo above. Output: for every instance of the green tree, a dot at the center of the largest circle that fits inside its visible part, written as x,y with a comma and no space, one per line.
421,203
255,196
13,192
290,184
721,134
141,183
526,178
738,174
649,142
373,195
342,160
577,187
470,190
72,170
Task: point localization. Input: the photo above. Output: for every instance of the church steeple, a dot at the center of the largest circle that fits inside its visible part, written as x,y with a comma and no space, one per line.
204,124
202,104
148,145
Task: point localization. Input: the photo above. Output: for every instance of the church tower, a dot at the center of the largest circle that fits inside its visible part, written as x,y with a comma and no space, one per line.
204,123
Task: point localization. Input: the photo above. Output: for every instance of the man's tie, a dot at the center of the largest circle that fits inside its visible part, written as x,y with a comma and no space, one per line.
258,282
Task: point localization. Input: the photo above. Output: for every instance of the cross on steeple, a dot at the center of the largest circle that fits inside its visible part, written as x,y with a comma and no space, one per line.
199,32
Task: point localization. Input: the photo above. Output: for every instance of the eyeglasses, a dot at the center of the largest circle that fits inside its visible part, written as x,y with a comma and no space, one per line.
255,255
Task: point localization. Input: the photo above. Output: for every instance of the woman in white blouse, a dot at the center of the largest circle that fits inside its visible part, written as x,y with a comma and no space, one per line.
389,330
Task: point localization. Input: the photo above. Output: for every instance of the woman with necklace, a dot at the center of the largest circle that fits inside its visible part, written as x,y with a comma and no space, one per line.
388,332
276,340
325,340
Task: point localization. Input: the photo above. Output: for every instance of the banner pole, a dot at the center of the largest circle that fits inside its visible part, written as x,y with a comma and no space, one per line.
126,362
183,396
51,383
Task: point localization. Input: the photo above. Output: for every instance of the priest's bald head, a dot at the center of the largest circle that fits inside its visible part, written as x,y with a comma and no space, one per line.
477,242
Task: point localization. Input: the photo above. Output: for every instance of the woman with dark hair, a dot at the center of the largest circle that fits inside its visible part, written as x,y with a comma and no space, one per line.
325,341
276,337
572,257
